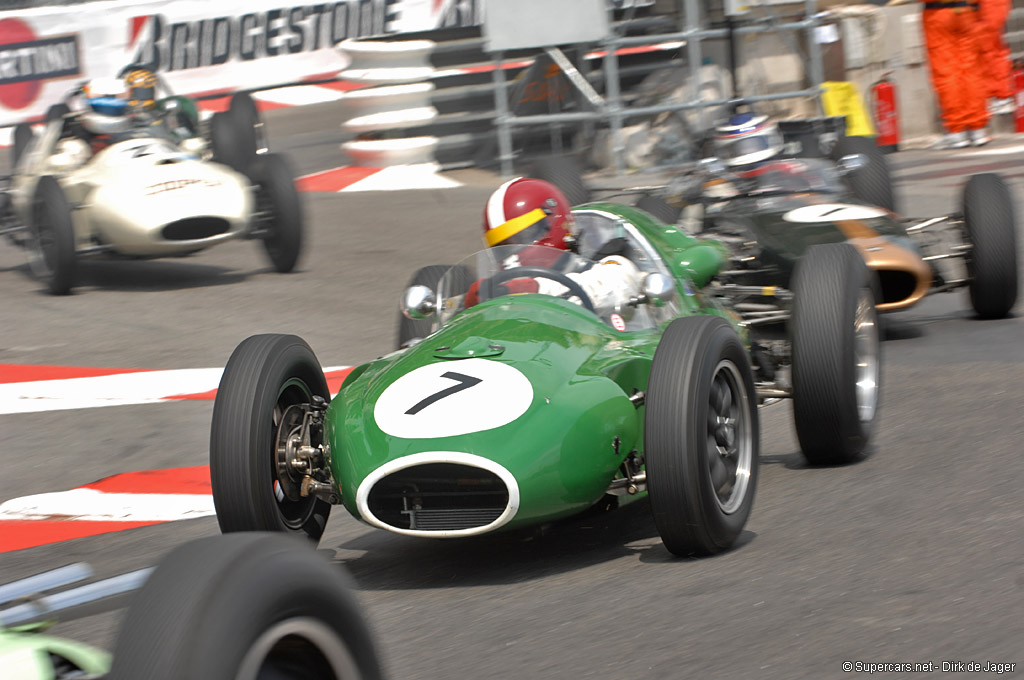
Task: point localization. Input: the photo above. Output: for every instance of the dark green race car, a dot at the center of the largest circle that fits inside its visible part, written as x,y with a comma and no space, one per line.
772,214
523,409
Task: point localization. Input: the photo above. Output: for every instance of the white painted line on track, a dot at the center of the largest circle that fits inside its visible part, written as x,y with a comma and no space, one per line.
108,390
90,505
122,389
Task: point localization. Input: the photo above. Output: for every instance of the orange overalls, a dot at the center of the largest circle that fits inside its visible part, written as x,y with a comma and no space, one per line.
950,33
995,55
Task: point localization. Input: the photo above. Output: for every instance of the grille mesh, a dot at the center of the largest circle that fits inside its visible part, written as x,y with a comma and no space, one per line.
439,497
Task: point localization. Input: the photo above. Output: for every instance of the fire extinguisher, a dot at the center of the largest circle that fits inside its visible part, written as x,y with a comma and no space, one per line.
887,120
1018,90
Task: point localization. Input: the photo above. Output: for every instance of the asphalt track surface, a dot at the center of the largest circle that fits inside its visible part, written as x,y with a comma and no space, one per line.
913,555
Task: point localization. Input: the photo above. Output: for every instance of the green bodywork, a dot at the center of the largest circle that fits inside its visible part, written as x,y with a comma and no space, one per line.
687,258
25,654
580,426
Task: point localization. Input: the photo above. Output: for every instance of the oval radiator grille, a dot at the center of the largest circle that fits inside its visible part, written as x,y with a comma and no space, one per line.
195,228
439,497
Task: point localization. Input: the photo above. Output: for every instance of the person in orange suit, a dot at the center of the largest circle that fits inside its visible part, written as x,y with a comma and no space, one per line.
995,66
950,34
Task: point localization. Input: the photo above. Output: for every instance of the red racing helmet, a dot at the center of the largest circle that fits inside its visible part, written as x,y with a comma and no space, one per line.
526,211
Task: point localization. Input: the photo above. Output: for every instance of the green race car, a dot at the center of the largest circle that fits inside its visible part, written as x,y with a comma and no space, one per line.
522,409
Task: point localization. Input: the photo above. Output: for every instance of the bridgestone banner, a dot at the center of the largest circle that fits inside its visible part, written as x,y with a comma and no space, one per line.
198,46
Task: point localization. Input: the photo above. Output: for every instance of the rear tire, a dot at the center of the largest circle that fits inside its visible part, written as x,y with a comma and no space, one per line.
429,276
58,110
991,231
836,354
227,145
52,241
265,375
246,118
280,210
701,436
22,137
872,183
566,174
253,605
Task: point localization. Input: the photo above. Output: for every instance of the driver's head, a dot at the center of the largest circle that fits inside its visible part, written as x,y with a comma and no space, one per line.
526,211
140,87
106,108
747,139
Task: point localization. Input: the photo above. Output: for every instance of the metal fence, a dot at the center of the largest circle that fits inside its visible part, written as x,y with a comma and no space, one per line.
611,110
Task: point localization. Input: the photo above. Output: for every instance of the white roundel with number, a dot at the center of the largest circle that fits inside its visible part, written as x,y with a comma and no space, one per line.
832,212
451,398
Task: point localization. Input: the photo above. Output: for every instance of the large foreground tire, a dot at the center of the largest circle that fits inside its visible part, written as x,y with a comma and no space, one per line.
245,607
264,376
701,436
659,208
566,174
52,245
836,354
871,183
279,210
410,330
22,137
992,234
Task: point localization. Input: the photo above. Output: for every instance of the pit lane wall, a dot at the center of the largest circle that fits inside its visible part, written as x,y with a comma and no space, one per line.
198,46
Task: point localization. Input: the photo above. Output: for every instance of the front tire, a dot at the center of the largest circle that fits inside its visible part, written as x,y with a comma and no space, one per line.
991,231
245,606
52,241
836,354
701,436
264,376
279,210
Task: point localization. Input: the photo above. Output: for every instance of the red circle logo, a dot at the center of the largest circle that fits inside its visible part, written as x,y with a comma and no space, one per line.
17,95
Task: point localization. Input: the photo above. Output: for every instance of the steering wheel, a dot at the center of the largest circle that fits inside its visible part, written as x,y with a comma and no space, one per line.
487,286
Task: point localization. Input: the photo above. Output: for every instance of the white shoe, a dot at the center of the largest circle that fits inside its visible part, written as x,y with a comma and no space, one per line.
980,137
998,107
952,140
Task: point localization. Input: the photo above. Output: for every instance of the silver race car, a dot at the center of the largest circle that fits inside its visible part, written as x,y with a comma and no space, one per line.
108,176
